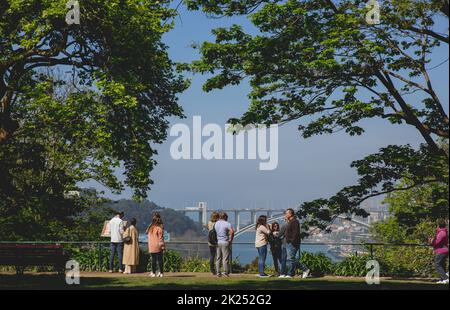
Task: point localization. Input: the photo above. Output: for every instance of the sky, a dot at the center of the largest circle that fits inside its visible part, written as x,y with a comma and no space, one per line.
307,169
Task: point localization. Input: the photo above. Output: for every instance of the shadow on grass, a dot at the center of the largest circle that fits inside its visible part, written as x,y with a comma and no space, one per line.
181,283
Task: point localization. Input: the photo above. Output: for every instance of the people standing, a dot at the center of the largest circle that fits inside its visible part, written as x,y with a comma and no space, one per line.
291,244
440,247
212,244
131,248
225,235
276,247
156,245
261,242
116,227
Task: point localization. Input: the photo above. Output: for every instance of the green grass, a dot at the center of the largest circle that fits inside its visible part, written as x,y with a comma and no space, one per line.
193,282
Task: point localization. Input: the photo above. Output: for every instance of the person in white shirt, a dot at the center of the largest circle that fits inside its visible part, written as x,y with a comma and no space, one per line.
116,226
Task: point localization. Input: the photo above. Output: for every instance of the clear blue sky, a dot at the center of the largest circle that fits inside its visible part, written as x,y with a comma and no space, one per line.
307,169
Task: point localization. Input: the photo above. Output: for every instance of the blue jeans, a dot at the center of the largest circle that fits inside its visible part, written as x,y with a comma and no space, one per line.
292,260
262,251
283,260
116,247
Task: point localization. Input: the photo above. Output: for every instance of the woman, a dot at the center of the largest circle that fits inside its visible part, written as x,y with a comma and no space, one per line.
261,241
276,247
440,247
131,248
156,245
212,247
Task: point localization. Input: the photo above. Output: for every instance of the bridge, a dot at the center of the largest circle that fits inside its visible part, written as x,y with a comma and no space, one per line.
272,216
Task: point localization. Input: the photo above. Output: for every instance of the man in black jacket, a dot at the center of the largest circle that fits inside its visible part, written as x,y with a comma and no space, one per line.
290,232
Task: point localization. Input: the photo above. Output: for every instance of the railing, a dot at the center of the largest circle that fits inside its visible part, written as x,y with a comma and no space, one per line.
99,244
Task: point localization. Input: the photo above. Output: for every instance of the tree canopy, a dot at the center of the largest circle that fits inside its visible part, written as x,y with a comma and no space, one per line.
124,86
320,63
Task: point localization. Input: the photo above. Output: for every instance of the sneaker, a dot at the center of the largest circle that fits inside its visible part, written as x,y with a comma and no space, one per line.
263,276
160,275
120,271
226,275
110,271
287,276
282,276
219,275
152,275
306,274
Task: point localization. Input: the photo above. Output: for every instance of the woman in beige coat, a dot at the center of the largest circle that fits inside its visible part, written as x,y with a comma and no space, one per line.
131,248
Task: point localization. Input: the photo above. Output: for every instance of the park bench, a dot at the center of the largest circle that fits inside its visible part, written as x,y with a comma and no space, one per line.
24,255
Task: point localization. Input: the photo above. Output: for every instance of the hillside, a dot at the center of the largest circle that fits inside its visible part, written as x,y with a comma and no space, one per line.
176,223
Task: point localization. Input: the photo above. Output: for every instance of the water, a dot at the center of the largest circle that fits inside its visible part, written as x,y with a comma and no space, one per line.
247,253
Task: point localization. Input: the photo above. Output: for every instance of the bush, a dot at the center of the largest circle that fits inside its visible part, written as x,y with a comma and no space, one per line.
91,258
406,261
195,264
318,263
172,261
352,266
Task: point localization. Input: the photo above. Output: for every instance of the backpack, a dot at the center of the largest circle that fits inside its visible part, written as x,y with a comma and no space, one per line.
212,236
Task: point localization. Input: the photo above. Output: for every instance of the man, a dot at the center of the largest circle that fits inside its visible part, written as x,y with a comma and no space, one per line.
225,235
290,233
116,226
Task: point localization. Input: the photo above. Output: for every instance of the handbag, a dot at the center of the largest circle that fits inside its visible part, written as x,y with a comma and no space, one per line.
127,240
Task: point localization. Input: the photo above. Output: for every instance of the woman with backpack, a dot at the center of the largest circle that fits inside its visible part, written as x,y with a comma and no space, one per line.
212,242
156,245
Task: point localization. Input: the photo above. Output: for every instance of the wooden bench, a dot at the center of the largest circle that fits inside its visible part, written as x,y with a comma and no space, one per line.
24,255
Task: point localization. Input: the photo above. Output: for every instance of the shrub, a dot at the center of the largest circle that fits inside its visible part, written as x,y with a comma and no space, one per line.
406,261
195,264
318,263
352,266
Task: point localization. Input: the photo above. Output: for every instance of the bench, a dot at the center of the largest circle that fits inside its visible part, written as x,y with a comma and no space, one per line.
24,255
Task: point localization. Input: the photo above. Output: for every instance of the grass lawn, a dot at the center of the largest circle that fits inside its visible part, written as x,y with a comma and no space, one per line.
194,281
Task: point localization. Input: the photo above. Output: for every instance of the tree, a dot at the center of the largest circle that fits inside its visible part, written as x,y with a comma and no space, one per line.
414,214
320,62
126,86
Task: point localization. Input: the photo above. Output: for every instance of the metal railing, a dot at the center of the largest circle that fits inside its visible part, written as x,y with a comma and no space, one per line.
99,244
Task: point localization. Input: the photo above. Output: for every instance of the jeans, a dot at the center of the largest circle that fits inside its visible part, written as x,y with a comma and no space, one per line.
212,258
440,261
158,259
116,247
223,256
283,260
262,251
292,260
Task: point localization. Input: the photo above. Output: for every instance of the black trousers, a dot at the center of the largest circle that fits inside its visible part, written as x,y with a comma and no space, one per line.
212,258
158,259
276,256
440,261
